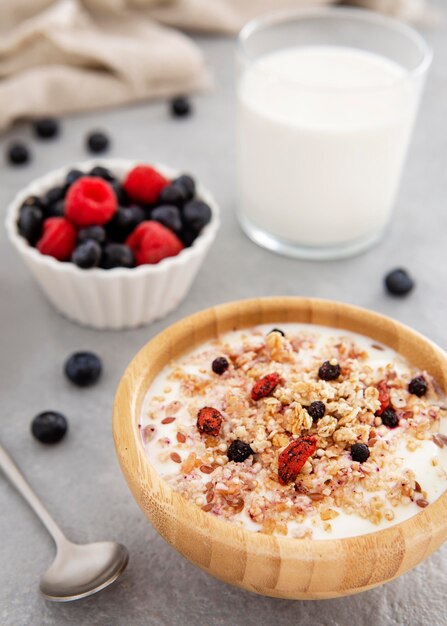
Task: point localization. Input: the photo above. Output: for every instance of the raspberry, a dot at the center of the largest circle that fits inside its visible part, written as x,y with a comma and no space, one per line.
152,242
292,458
264,386
58,238
90,201
209,421
144,184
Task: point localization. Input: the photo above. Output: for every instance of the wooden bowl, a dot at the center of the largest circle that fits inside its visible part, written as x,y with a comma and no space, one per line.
273,565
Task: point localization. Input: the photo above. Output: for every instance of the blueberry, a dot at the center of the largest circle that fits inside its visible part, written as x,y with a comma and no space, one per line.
418,386
196,214
328,371
220,365
389,418
316,410
87,254
175,194
33,201
188,184
49,427
360,452
55,194
18,154
95,233
117,255
55,210
73,176
102,172
169,216
97,142
278,330
187,236
399,282
125,220
181,107
238,451
46,128
30,223
121,195
83,368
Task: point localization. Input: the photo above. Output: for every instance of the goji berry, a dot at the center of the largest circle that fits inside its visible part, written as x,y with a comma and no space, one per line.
209,421
292,458
264,386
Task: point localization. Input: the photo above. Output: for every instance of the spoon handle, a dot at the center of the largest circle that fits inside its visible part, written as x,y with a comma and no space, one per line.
18,480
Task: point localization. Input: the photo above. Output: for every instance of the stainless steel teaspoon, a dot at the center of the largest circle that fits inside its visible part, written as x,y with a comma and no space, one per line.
78,570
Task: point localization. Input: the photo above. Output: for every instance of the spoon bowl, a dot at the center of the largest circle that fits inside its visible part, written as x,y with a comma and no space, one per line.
81,570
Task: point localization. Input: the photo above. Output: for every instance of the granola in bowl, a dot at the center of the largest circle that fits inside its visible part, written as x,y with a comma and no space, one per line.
303,431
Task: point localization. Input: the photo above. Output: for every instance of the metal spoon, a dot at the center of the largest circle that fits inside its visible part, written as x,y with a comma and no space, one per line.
78,570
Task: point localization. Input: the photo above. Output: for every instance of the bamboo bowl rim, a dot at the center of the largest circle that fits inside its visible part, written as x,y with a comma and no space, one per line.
423,532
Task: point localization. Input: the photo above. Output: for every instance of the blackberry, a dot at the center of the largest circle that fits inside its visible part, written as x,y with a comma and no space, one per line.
418,386
316,410
220,365
328,371
238,451
360,452
389,418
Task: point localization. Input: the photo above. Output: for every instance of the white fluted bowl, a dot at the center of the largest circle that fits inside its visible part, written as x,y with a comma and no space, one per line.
120,297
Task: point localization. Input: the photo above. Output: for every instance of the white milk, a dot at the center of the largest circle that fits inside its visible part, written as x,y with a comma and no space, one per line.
323,133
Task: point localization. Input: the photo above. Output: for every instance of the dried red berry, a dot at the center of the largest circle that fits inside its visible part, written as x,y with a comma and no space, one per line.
209,421
264,386
292,458
384,397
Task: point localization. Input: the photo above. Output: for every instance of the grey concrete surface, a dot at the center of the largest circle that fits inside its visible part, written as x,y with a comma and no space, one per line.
80,479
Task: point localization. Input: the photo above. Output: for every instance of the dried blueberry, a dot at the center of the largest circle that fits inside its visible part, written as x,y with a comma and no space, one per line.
30,223
49,427
181,107
196,214
73,176
360,452
46,128
96,233
117,255
389,418
328,371
169,216
238,451
125,220
418,386
83,368
97,142
87,254
18,154
220,365
316,410
399,282
277,330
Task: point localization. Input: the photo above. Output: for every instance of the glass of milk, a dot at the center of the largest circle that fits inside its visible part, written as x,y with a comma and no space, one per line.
327,100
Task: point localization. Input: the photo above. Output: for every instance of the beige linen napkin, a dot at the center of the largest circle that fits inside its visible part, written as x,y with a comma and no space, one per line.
61,56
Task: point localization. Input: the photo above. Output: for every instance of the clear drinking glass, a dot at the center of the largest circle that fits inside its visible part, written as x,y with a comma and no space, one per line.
327,100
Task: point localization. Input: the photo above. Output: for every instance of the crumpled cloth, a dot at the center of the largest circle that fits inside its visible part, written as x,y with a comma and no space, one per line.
63,56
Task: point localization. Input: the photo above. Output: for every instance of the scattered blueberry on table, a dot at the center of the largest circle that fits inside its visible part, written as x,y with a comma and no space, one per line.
398,282
49,427
181,106
83,368
18,154
46,128
97,142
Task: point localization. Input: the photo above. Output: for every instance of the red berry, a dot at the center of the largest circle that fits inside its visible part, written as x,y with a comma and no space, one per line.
209,421
144,184
152,242
264,386
293,458
58,238
90,201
